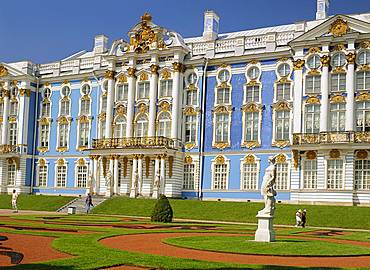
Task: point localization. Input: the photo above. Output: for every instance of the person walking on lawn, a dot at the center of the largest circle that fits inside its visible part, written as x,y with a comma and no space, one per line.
88,202
14,201
303,223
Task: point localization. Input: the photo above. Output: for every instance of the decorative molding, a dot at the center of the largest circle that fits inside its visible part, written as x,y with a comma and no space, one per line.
364,45
363,96
42,162
188,159
339,70
144,77
253,62
338,47
84,80
142,109
351,58
281,144
295,158
178,67
3,71
362,154
313,99
109,74
251,144
311,154
6,93
166,75
189,111
313,50
337,98
325,60
220,159
339,27
298,64
81,162
364,67
221,145
249,159
313,72
223,65
62,149
284,58
165,106
60,162
335,153
131,72
120,110
122,79
42,150
189,146
154,69
281,158
252,108
283,80
282,106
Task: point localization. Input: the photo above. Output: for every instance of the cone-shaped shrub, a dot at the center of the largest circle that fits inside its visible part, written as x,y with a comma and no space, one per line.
162,211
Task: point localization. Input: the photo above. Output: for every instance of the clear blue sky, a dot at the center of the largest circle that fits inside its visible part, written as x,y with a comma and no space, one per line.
49,30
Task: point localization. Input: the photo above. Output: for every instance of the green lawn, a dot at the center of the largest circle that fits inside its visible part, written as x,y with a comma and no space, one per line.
36,202
317,215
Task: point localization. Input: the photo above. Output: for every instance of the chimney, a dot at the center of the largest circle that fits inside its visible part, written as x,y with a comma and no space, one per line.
211,23
322,8
100,45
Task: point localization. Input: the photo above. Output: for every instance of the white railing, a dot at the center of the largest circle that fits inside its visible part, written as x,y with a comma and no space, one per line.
47,68
87,63
255,42
199,48
225,45
68,65
284,38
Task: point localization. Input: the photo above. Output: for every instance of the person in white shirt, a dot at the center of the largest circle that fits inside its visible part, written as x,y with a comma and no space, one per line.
14,201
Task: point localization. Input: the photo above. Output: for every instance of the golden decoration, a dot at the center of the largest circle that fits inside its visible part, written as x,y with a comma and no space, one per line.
142,108
253,62
189,111
311,154
146,17
165,106
339,70
17,163
284,58
144,37
313,72
325,60
2,84
162,156
104,161
63,120
3,71
189,146
282,106
313,50
252,108
120,110
334,153
154,69
65,82
85,97
157,156
10,161
166,75
131,72
1,119
134,156
170,163
28,92
220,160
295,158
222,85
338,47
12,119
351,58
337,98
82,148
42,150
363,96
364,44
65,99
86,80
83,119
249,159
298,64
222,109
44,122
81,162
125,160
284,80
42,162
253,82
339,27
62,149
140,156
14,83
251,144
6,93
281,158
176,66
281,144
188,159
147,166
364,68
362,154
221,145
60,162
144,77
223,65
122,79
313,99
109,74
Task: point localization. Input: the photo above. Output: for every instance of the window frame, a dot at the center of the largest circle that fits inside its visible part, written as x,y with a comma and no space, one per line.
220,160
250,159
42,163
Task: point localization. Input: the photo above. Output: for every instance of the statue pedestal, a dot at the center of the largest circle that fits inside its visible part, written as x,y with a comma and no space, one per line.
155,193
133,193
108,192
265,231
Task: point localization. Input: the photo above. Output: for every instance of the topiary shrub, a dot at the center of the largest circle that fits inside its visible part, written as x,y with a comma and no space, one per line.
162,211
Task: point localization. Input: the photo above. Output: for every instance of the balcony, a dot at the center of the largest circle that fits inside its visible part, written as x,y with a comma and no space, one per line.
331,137
136,143
8,149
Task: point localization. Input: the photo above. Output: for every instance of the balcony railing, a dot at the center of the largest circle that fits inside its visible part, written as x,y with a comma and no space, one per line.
331,137
8,148
136,142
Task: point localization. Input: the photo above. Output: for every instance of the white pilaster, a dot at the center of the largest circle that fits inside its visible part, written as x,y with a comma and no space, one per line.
140,172
131,101
350,86
110,103
96,175
321,171
297,103
163,174
153,100
324,97
6,94
178,67
115,187
349,171
21,118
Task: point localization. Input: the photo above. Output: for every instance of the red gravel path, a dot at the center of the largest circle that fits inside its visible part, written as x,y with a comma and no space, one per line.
152,244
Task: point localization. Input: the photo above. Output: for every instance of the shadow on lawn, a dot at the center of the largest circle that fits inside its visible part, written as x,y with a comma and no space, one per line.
39,267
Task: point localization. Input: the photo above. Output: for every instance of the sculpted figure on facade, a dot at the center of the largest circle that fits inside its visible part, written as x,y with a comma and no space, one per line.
157,180
109,179
267,189
135,179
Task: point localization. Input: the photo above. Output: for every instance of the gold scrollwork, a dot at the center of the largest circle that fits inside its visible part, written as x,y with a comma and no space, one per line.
339,70
166,75
338,47
188,159
144,37
6,93
144,77
249,159
143,108
313,99
283,80
220,159
3,71
313,72
189,146
109,74
284,58
364,44
84,80
281,144
335,153
363,96
311,154
82,148
251,144
122,79
61,162
254,62
281,158
154,69
81,162
189,111
224,65
222,109
253,82
364,67
62,149
351,57
337,98
339,27
295,159
42,162
120,110
298,64
131,72
313,50
282,106
325,60
221,145
362,154
42,149
252,108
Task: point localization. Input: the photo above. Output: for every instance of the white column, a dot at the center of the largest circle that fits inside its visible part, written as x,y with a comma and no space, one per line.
111,164
96,174
163,174
153,100
140,172
21,126
110,103
325,94
115,187
350,86
349,171
178,67
4,139
156,166
25,121
321,164
131,101
133,184
297,94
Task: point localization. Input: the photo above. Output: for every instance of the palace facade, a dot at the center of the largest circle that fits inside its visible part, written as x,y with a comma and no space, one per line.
196,117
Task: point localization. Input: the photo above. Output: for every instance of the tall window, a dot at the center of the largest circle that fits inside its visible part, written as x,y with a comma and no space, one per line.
14,108
363,116
166,88
338,82
223,95
251,126
120,127
250,176
190,128
85,106
1,109
220,176
45,111
310,174
363,80
141,127
1,131
192,97
362,174
312,118
337,116
81,176
64,107
122,92
335,173
189,176
164,125
283,91
63,135
84,134
282,174
13,133
282,124
11,174
61,176
313,84
143,90
102,129
222,127
103,104
43,175
44,138
253,93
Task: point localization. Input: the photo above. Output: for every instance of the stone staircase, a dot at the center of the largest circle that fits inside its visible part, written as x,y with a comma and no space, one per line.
79,204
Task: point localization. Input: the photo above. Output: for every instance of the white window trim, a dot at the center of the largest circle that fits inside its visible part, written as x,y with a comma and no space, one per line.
191,111
283,79
251,82
195,162
87,164
56,172
305,104
78,133
244,109
289,162
38,172
244,161
220,84
58,132
303,160
44,121
158,120
191,87
80,105
221,110
275,107
139,80
213,163
326,159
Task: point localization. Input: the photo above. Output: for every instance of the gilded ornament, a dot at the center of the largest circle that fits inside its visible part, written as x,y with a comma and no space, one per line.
364,68
85,97
281,158
81,162
165,107
284,80
281,144
144,77
10,161
351,57
313,50
144,37
189,146
364,44
146,17
109,74
154,69
105,94
220,160
222,109
339,27
62,149
223,65
251,144
313,99
12,119
162,156
6,93
189,111
83,119
221,145
338,47
66,82
60,162
252,108
147,166
140,156
65,99
44,122
82,148
284,58
337,98
311,154
170,165
166,75
142,108
325,60
120,110
104,161
282,106
253,82
313,72
63,120
249,159
1,119
339,70
361,154
42,149
122,79
86,80
176,66
363,96
42,162
223,85
3,71
131,72
295,158
157,156
28,92
298,64
14,83
334,153
253,62
188,159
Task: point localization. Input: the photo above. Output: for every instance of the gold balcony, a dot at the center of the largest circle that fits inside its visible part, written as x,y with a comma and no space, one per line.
331,137
136,143
8,148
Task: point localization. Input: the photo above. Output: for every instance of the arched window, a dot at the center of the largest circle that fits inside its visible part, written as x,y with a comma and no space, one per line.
120,128
63,135
164,125
44,138
337,116
64,107
190,128
312,118
222,128
84,134
141,127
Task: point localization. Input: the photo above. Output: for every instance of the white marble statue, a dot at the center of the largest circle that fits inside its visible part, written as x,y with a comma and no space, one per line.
157,180
135,179
267,189
109,179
